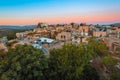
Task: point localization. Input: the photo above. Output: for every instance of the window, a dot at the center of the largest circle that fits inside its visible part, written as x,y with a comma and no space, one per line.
61,36
64,37
45,40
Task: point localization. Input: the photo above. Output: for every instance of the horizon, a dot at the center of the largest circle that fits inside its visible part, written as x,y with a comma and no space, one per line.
29,12
103,23
107,24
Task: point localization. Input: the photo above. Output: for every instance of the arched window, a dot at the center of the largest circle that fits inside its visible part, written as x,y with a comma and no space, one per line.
64,36
61,36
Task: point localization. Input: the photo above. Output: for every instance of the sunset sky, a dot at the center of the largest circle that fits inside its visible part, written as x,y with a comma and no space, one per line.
25,12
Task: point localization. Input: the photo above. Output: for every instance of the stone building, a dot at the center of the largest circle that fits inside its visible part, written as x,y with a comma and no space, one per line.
84,30
99,33
64,36
113,44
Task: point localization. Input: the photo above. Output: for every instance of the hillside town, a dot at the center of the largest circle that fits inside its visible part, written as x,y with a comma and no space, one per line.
47,37
54,36
59,39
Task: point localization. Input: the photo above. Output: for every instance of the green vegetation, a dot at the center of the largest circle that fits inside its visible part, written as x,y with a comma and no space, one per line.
71,62
115,75
98,46
3,54
24,63
109,61
11,34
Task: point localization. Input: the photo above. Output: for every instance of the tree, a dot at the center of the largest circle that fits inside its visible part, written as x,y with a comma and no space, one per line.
89,73
39,25
98,46
3,54
24,63
115,75
72,23
68,63
109,61
71,62
11,35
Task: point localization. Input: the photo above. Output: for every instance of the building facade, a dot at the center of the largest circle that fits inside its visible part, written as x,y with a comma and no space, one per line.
64,36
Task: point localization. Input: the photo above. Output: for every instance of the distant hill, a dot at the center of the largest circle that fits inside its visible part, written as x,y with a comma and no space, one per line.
4,32
116,24
26,27
10,33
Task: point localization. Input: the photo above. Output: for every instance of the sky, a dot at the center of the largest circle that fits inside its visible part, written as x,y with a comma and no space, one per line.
27,12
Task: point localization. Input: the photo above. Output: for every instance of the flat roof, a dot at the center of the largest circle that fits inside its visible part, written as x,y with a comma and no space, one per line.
43,39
